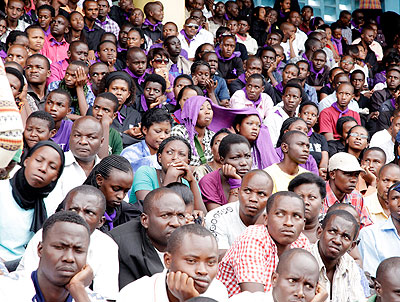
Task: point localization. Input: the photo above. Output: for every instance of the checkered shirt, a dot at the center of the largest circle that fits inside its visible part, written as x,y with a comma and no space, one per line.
253,257
109,26
354,198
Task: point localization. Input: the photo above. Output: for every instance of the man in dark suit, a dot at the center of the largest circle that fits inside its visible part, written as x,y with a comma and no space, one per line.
143,240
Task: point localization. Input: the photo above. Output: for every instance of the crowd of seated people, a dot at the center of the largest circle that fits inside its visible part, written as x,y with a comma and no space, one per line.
247,153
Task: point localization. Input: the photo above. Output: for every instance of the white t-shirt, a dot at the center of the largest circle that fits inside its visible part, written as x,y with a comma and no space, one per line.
225,223
18,287
102,258
154,289
253,297
383,140
203,36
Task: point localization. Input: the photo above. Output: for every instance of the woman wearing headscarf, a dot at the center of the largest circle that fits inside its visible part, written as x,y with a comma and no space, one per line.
24,201
196,116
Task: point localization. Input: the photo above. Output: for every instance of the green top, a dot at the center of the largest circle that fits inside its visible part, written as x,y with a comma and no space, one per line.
114,142
372,298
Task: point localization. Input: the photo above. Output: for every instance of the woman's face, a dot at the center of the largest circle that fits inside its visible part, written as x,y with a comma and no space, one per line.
205,115
249,127
215,146
179,84
206,48
202,73
77,22
328,32
156,133
187,93
134,39
120,89
272,16
159,62
115,187
262,14
174,151
299,125
42,167
239,156
358,139
15,84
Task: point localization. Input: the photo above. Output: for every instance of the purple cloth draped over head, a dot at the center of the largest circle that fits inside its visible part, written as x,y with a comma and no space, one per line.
189,115
263,147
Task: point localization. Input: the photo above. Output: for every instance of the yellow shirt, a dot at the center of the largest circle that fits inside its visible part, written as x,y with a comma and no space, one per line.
374,208
280,178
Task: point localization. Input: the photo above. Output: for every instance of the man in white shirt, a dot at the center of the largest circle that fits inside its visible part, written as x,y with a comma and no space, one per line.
102,256
385,138
85,142
292,46
229,221
338,272
191,260
192,36
62,274
301,37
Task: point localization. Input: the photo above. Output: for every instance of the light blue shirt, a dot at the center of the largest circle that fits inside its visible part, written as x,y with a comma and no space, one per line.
139,155
311,93
378,242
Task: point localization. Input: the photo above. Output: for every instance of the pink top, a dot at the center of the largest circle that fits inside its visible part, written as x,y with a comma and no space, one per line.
53,50
239,101
211,188
57,71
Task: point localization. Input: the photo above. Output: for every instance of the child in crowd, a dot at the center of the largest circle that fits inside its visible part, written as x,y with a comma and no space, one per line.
105,108
252,96
40,126
58,105
229,63
154,93
319,72
329,116
45,15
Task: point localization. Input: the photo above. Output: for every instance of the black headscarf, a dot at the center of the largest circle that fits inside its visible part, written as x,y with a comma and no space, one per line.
28,197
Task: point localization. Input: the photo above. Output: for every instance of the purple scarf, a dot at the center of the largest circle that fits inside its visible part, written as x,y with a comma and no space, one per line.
235,54
305,58
139,79
153,26
316,73
178,115
144,103
189,115
335,105
110,218
257,102
338,44
242,78
263,148
393,101
186,36
279,87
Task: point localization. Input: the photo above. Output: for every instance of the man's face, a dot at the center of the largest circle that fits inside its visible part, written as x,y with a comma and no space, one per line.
14,10
169,30
291,99
63,252
393,204
310,115
295,18
395,127
239,156
174,47
59,26
197,15
220,9
36,39
389,176
344,95
57,105
389,288
191,28
91,10
18,54
298,282
79,53
311,195
359,18
393,79
285,220
44,18
290,72
304,72
104,8
137,63
152,91
318,60
345,182
36,130
212,59
70,75
346,63
233,10
337,33
108,52
103,107
268,58
307,14
253,195
373,160
77,21
164,218
228,47
253,66
336,238
198,4
233,26
298,149
368,36
97,73
87,206
357,80
137,17
289,31
36,70
198,258
254,87
85,140
345,19
158,13
273,39
123,34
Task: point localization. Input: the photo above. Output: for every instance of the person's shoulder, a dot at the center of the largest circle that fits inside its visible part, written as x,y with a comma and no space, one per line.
210,177
228,209
11,285
138,288
272,168
126,230
146,170
216,290
102,239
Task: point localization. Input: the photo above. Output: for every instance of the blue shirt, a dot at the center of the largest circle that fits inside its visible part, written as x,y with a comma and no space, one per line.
378,242
221,92
139,155
311,93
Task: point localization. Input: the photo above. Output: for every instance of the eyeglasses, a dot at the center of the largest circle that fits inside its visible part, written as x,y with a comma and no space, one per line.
191,25
348,62
353,134
161,61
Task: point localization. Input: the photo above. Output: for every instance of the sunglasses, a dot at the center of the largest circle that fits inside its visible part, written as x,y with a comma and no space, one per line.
161,61
191,25
353,134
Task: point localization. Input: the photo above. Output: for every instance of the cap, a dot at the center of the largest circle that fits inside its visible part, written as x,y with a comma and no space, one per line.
344,162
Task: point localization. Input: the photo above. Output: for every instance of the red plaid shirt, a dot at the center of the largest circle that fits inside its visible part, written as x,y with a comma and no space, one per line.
253,257
354,198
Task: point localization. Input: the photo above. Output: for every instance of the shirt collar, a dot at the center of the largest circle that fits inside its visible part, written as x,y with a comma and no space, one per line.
70,159
375,206
341,267
388,225
330,194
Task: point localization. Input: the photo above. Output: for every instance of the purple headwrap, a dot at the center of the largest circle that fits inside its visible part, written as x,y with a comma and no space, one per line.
263,149
189,115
